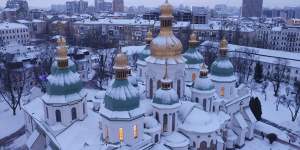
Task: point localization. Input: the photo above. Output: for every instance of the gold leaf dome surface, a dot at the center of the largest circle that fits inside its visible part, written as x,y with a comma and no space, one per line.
121,60
166,44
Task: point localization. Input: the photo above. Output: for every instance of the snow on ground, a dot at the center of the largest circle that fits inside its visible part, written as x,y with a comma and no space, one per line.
8,122
282,116
260,144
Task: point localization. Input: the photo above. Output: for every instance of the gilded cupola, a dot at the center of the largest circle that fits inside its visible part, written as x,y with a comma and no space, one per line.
62,53
166,45
223,47
121,66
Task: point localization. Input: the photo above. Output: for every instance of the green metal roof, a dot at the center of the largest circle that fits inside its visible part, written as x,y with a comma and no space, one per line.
121,96
222,67
165,97
64,87
193,56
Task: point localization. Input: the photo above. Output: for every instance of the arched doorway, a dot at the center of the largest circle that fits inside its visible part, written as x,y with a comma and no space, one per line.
151,88
74,115
178,88
203,145
193,76
58,115
165,123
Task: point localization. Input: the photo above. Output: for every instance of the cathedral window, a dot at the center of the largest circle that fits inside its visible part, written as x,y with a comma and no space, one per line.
121,134
135,131
106,134
178,87
157,116
204,104
83,107
194,76
58,115
173,121
222,91
47,113
73,111
165,123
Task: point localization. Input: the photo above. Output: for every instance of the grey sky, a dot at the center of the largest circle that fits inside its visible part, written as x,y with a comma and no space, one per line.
153,3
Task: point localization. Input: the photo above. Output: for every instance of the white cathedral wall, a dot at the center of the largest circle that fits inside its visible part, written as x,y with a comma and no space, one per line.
112,127
229,89
141,72
66,113
156,72
188,74
198,138
201,95
169,112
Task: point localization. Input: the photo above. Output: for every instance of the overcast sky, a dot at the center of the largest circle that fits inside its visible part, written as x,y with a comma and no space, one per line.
154,3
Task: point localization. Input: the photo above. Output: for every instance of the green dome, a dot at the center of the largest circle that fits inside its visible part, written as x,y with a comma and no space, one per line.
63,81
144,53
121,96
222,67
192,56
203,84
165,97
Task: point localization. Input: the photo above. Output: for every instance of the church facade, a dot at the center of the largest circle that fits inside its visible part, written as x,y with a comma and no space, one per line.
209,114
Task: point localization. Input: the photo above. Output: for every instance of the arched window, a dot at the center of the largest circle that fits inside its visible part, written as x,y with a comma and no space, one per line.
173,121
83,108
58,115
165,123
204,104
222,91
151,88
74,115
203,145
178,88
157,116
121,134
214,109
194,76
135,131
47,113
197,100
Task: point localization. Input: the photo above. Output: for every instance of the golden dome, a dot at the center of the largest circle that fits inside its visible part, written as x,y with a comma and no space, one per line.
193,39
166,9
149,37
121,61
223,47
223,43
166,44
204,70
62,53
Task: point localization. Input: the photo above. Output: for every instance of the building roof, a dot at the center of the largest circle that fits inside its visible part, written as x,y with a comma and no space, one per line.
10,26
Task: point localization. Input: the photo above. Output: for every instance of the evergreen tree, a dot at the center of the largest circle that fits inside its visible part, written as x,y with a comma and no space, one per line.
255,107
258,74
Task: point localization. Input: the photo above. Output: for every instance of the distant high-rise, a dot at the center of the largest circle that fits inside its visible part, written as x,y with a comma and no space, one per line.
101,5
76,6
118,5
252,8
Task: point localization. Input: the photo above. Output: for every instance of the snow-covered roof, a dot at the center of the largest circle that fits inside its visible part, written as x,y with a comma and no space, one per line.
151,125
176,140
200,121
120,115
130,50
9,26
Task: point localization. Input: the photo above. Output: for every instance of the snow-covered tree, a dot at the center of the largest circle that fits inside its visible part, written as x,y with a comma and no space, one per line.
294,102
258,74
13,83
255,107
277,76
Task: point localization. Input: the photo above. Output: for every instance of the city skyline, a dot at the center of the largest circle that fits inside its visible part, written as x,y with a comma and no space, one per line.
156,3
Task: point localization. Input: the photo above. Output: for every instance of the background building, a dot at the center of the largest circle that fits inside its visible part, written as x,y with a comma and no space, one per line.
118,5
76,6
13,32
252,8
